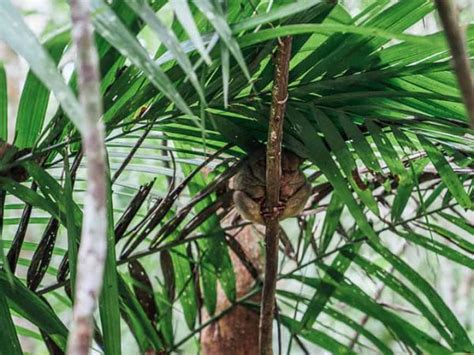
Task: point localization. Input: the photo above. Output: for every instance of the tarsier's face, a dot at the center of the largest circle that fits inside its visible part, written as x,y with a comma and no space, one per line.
290,164
249,185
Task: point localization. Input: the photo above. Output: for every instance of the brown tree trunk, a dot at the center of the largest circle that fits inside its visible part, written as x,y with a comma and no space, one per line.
237,332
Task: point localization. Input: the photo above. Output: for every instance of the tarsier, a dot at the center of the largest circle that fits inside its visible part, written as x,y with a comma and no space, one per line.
237,331
249,187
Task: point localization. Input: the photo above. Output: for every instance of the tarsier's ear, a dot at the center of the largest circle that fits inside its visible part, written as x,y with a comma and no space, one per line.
300,159
293,156
261,151
258,156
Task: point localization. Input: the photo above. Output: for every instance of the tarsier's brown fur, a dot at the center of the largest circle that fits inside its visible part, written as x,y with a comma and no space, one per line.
249,186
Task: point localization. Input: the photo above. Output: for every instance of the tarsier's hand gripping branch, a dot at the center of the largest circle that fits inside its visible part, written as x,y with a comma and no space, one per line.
249,187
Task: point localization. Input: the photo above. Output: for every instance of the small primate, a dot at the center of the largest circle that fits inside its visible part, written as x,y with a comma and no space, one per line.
249,187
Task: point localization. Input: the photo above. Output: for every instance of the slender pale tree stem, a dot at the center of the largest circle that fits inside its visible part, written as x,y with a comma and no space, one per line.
273,175
456,38
93,247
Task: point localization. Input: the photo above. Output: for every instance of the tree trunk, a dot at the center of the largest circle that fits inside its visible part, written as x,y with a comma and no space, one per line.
237,332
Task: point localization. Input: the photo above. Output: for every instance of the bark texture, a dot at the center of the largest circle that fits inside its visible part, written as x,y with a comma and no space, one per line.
236,333
272,198
93,247
456,38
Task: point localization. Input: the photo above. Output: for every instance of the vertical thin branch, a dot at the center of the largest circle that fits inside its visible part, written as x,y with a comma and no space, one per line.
448,14
273,175
93,247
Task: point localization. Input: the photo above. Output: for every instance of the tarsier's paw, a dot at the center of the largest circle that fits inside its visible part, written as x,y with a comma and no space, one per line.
282,203
274,212
268,213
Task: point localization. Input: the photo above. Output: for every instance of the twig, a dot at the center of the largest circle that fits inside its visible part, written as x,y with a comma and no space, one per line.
146,253
132,153
93,246
448,14
301,345
273,175
163,207
235,246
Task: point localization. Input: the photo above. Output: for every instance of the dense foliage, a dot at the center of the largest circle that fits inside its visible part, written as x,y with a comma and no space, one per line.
375,112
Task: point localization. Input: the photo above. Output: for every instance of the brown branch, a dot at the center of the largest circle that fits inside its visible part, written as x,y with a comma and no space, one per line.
131,154
93,247
273,175
448,14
